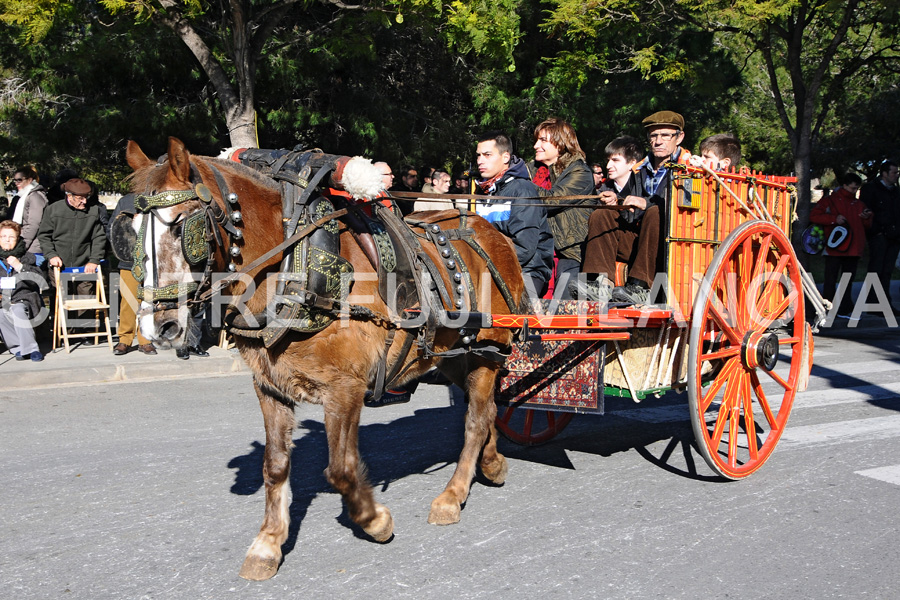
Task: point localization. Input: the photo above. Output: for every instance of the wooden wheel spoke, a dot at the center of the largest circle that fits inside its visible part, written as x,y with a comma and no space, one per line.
762,257
722,321
749,422
720,354
733,428
529,421
507,415
768,288
746,258
723,418
763,402
551,419
717,384
787,386
763,323
731,299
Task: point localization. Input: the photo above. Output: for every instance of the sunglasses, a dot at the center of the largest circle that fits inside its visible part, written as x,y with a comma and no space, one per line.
18,179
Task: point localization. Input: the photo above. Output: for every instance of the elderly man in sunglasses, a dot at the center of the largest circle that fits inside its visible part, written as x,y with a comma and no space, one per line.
634,235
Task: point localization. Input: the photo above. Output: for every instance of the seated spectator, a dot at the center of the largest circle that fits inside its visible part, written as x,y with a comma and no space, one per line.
520,219
72,235
461,183
427,187
648,204
559,169
387,174
28,209
721,151
409,182
842,208
440,184
20,287
597,169
71,232
620,236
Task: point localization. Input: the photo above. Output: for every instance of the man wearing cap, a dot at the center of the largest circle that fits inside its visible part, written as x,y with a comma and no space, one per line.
71,233
635,233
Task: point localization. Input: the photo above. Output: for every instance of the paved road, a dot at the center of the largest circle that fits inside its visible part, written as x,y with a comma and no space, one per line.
135,491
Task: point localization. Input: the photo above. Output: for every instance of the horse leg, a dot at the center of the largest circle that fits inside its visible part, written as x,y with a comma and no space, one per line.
480,435
493,464
264,556
347,473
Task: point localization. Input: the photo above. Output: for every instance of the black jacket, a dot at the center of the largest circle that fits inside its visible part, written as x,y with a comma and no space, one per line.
523,220
885,205
30,282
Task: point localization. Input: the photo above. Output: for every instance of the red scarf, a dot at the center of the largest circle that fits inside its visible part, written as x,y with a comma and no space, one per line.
542,178
488,184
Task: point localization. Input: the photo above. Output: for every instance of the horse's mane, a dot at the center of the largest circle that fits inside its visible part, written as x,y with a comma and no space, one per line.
241,169
153,178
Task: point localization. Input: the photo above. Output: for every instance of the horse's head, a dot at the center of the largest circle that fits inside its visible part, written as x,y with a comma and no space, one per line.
184,235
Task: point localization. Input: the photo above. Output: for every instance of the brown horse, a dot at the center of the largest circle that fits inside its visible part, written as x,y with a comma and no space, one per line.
334,367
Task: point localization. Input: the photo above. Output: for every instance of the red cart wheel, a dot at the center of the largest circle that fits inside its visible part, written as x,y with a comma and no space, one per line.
747,313
530,427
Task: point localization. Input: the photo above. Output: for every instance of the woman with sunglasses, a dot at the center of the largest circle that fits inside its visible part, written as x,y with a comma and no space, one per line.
28,210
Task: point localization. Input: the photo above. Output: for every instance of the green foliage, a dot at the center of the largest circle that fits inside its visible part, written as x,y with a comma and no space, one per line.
413,81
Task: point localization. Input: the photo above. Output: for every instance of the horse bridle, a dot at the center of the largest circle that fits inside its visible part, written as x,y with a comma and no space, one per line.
200,238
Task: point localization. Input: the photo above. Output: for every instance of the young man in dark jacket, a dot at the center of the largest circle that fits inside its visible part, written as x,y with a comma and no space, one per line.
882,196
524,219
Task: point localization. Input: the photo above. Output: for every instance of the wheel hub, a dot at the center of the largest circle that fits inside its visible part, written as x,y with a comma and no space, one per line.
760,350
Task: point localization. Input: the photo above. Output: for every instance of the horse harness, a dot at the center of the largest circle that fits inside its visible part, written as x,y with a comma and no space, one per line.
313,280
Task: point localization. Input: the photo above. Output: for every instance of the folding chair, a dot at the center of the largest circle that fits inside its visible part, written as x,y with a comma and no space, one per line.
64,303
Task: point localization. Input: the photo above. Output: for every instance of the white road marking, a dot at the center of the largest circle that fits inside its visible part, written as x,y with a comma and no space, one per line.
888,394
857,368
887,474
826,434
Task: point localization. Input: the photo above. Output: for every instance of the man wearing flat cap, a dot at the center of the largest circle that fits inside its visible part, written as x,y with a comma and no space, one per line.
633,235
72,235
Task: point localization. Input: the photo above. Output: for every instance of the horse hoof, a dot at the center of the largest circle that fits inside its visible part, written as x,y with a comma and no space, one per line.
443,513
382,526
259,569
497,470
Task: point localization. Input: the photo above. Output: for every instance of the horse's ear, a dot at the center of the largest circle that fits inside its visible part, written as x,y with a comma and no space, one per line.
179,160
135,156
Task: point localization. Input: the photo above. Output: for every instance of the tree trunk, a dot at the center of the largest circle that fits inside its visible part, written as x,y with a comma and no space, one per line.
802,166
238,106
242,129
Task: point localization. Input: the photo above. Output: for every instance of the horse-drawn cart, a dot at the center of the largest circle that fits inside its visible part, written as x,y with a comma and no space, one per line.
329,304
733,332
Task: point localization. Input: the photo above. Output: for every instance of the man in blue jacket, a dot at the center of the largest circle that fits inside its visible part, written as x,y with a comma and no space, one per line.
524,217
